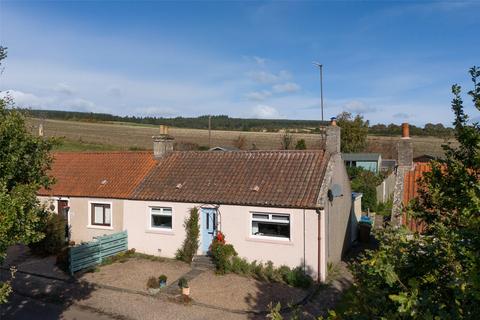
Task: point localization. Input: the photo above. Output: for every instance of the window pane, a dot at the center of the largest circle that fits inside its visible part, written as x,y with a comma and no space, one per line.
162,211
280,230
280,218
260,216
156,210
160,221
98,215
108,214
254,228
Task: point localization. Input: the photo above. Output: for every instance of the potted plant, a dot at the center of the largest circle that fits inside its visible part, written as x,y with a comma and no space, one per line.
163,281
183,284
153,285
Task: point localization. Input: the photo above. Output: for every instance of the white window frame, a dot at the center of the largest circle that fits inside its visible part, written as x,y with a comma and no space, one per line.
89,215
270,214
150,213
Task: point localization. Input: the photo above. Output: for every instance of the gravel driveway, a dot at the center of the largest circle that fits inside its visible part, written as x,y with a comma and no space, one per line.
235,292
134,273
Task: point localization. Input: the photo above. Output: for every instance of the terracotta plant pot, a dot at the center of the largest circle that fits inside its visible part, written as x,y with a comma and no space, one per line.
186,291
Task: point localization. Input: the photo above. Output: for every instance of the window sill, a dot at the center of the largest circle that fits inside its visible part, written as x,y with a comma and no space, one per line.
99,227
287,242
160,231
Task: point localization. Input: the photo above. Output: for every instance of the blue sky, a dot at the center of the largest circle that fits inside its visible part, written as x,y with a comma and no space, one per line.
390,61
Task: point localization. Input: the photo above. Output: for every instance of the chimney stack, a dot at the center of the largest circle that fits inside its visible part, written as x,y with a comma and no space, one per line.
162,143
332,139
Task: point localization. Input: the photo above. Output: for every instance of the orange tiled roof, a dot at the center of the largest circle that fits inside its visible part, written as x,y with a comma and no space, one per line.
260,178
98,174
411,179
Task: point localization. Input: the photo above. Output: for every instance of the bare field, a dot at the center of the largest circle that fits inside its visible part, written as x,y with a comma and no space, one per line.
123,136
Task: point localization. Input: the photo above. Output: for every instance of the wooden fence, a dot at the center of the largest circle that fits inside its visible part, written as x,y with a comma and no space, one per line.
385,189
92,253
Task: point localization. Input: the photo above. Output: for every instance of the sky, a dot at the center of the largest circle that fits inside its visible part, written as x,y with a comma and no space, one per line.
390,61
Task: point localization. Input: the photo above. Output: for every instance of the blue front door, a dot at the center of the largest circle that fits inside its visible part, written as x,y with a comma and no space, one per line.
209,226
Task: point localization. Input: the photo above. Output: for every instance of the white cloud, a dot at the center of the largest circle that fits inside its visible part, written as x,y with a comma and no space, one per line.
359,107
268,77
26,99
288,87
114,91
265,112
401,115
260,61
80,104
64,89
258,95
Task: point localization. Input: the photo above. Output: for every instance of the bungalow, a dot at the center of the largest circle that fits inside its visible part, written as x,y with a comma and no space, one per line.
290,207
368,161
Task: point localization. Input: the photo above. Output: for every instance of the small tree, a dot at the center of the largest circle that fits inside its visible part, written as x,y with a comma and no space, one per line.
354,132
240,142
287,140
24,162
365,182
190,244
301,145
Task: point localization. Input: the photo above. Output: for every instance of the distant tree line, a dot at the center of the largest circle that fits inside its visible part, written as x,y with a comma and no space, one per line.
224,122
430,129
219,122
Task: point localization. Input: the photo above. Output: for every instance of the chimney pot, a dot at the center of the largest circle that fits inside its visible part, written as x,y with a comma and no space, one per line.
333,121
405,131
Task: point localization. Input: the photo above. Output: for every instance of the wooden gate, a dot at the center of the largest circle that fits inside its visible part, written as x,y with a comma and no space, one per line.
94,252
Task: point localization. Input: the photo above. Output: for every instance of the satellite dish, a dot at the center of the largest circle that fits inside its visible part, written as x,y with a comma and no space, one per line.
337,190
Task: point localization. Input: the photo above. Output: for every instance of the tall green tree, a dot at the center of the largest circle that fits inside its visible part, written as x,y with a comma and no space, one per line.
24,162
354,132
436,274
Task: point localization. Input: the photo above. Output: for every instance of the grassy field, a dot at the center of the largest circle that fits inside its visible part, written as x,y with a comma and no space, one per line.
84,136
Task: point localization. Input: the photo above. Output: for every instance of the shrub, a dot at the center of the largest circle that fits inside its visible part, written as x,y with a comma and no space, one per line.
54,239
222,254
153,283
297,278
365,181
190,244
162,278
226,260
301,145
240,266
183,282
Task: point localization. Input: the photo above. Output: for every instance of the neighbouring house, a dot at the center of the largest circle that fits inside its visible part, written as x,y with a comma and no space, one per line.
291,207
368,161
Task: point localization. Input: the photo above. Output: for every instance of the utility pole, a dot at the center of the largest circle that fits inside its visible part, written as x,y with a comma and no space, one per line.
209,132
320,66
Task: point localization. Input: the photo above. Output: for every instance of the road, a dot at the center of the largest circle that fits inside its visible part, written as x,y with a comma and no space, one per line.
21,307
